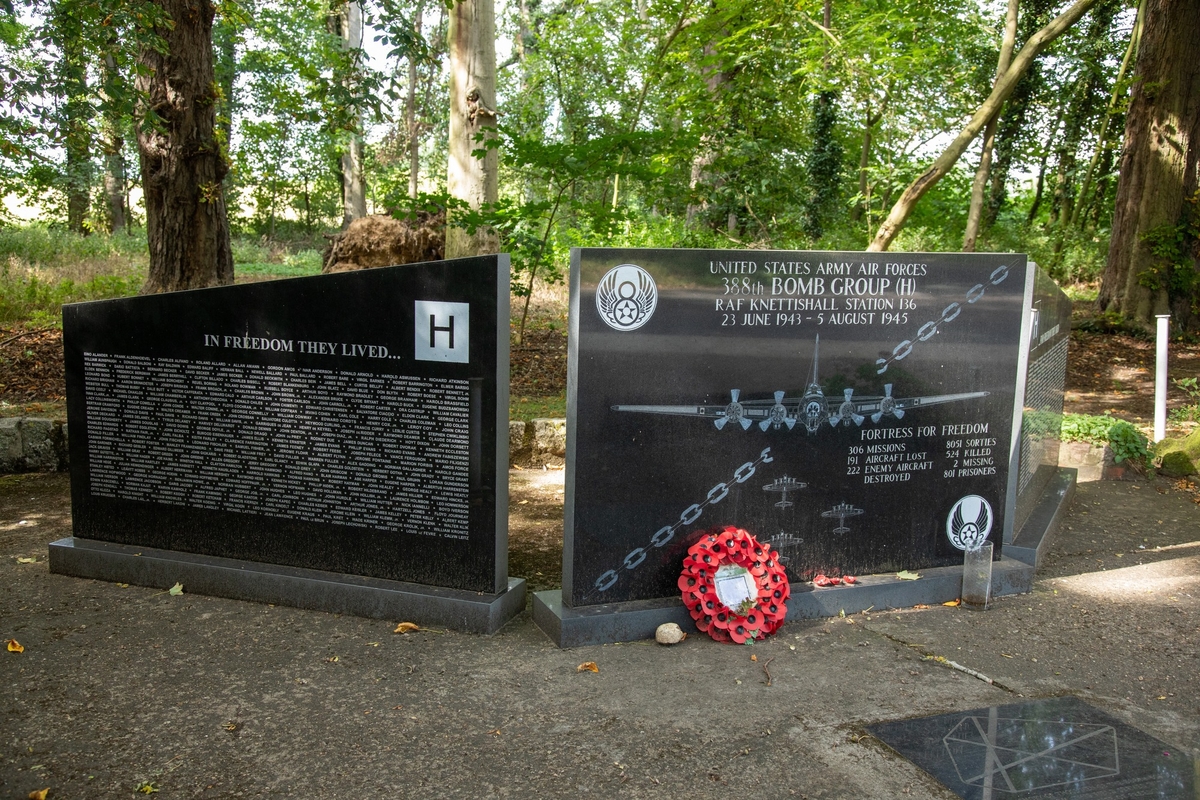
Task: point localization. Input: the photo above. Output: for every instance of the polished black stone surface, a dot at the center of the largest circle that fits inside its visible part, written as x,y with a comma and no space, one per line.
711,398
1056,748
340,422
1045,378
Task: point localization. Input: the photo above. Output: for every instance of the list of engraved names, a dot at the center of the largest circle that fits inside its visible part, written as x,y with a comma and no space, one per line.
388,452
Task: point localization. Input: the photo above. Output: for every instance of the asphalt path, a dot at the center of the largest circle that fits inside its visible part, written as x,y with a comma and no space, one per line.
127,688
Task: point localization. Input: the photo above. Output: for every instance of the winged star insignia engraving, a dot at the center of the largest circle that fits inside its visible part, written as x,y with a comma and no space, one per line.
626,297
969,522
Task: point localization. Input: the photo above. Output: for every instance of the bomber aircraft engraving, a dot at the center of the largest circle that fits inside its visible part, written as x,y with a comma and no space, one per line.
811,409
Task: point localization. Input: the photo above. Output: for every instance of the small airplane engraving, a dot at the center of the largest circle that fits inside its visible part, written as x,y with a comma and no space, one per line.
783,486
811,409
840,512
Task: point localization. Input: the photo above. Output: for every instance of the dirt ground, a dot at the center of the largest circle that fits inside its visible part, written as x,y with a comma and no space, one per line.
127,689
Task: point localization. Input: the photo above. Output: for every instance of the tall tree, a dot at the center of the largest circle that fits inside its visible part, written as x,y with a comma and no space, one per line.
824,165
346,21
112,143
181,159
76,113
1153,254
471,40
975,214
1000,92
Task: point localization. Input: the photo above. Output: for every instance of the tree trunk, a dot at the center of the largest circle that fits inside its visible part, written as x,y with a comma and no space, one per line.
975,213
471,39
1152,256
1117,92
715,81
225,39
410,114
864,157
76,123
182,166
347,21
112,142
1000,92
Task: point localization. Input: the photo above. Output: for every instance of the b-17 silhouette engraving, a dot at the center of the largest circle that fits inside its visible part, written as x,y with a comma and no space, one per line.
811,409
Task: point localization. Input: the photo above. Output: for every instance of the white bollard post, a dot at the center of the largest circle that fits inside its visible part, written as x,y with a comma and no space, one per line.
1160,379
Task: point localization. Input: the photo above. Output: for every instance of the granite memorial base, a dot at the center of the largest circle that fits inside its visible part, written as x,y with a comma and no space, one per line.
318,590
638,619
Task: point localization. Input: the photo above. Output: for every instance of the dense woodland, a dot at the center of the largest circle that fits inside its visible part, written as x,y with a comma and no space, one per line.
1067,130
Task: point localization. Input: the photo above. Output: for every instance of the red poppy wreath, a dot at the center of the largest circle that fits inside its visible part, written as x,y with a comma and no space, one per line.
734,587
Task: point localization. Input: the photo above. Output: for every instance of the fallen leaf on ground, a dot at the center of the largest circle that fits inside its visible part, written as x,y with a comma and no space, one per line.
23,560
175,591
587,666
39,794
754,657
407,627
954,602
920,606
905,575
147,788
14,646
332,660
495,732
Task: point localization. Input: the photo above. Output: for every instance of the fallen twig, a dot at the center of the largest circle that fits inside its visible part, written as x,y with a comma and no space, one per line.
766,664
959,667
26,333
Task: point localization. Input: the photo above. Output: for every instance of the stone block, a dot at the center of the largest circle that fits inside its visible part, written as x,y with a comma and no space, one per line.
518,442
549,441
12,455
1179,457
40,445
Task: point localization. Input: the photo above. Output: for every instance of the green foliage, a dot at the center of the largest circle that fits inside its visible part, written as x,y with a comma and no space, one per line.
1086,428
26,297
1173,246
1128,443
1191,411
530,408
292,265
41,268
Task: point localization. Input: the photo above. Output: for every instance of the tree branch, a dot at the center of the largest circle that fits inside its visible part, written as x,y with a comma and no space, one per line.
1000,92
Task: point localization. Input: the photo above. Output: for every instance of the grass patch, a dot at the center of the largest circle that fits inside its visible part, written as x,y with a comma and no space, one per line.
41,268
42,410
288,265
523,409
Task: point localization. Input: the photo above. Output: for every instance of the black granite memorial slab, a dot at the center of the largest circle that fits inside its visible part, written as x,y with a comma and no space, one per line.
1046,376
859,411
352,423
1056,748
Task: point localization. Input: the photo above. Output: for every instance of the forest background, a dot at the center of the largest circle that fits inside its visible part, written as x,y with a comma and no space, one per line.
654,123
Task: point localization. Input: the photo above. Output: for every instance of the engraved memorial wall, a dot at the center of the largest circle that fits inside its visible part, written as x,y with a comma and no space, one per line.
859,411
351,424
